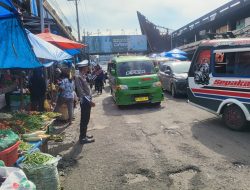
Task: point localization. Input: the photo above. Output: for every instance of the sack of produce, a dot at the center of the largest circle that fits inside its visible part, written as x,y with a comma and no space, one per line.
5,116
64,111
47,105
35,136
2,163
41,169
14,178
7,139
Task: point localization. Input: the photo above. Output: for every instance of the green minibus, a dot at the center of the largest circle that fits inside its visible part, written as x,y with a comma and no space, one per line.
133,80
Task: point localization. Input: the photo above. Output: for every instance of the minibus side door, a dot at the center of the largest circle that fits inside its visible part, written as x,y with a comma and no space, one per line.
112,78
198,75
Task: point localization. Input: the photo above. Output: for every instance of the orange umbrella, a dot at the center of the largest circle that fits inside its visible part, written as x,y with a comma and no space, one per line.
60,41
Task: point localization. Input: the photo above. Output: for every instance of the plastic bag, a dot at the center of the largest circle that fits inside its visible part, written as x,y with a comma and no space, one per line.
15,179
46,105
2,163
44,176
7,139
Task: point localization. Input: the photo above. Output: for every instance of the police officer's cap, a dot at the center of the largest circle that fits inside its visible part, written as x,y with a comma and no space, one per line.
83,63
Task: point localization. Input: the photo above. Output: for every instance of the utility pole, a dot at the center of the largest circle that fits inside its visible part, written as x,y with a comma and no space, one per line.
84,38
77,19
41,15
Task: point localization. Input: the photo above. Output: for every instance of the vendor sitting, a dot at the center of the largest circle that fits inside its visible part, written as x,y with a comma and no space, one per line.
37,88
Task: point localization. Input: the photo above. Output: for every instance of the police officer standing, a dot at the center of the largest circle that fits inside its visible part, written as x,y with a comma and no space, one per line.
84,93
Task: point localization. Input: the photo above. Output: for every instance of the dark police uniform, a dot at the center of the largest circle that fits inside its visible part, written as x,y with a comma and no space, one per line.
84,93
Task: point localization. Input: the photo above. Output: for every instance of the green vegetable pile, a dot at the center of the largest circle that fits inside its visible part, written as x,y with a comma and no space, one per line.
25,146
37,158
52,115
30,122
22,123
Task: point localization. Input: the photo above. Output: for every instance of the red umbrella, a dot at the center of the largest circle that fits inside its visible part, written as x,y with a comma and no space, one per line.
60,41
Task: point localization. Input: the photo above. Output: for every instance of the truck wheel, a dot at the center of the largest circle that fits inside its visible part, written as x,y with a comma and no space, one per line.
157,104
234,118
173,91
121,107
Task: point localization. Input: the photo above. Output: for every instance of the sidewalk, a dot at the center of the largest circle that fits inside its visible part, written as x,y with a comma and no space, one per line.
70,149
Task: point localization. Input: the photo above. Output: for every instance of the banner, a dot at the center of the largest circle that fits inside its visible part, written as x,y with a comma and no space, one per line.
116,44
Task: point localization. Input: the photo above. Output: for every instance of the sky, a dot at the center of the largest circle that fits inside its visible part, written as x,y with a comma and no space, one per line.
105,17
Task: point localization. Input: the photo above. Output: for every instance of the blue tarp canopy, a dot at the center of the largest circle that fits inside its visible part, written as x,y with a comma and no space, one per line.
176,56
176,51
16,51
73,51
6,9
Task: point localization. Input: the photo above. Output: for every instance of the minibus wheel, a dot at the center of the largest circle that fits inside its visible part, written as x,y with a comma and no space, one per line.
234,117
121,107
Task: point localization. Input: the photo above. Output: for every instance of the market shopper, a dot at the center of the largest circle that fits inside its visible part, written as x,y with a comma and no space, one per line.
86,102
99,79
37,88
66,95
94,77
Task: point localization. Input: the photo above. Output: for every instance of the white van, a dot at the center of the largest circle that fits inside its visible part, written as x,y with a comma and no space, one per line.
219,80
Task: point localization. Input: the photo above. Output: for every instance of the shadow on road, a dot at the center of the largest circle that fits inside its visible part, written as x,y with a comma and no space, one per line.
217,137
107,88
110,108
70,159
179,98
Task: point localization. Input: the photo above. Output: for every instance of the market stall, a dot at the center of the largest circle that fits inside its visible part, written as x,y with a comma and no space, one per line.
23,134
23,137
16,52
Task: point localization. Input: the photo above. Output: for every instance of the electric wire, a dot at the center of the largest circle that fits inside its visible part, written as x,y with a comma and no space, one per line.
56,6
84,26
86,12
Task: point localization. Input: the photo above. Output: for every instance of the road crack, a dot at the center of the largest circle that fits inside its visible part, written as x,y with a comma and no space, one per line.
184,169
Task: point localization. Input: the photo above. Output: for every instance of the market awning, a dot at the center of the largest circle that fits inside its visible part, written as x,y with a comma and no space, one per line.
60,41
48,64
45,49
16,51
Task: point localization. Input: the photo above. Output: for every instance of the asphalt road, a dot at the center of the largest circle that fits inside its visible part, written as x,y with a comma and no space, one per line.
175,146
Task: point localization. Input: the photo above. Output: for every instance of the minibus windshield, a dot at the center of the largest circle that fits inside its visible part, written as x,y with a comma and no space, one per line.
135,68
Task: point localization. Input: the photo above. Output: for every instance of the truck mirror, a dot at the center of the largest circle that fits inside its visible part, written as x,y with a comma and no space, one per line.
112,72
168,72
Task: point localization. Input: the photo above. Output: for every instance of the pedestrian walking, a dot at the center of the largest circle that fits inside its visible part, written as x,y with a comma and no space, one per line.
105,78
84,94
66,95
99,79
94,77
90,79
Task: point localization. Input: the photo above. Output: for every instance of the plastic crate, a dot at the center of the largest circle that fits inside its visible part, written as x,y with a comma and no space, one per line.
10,155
